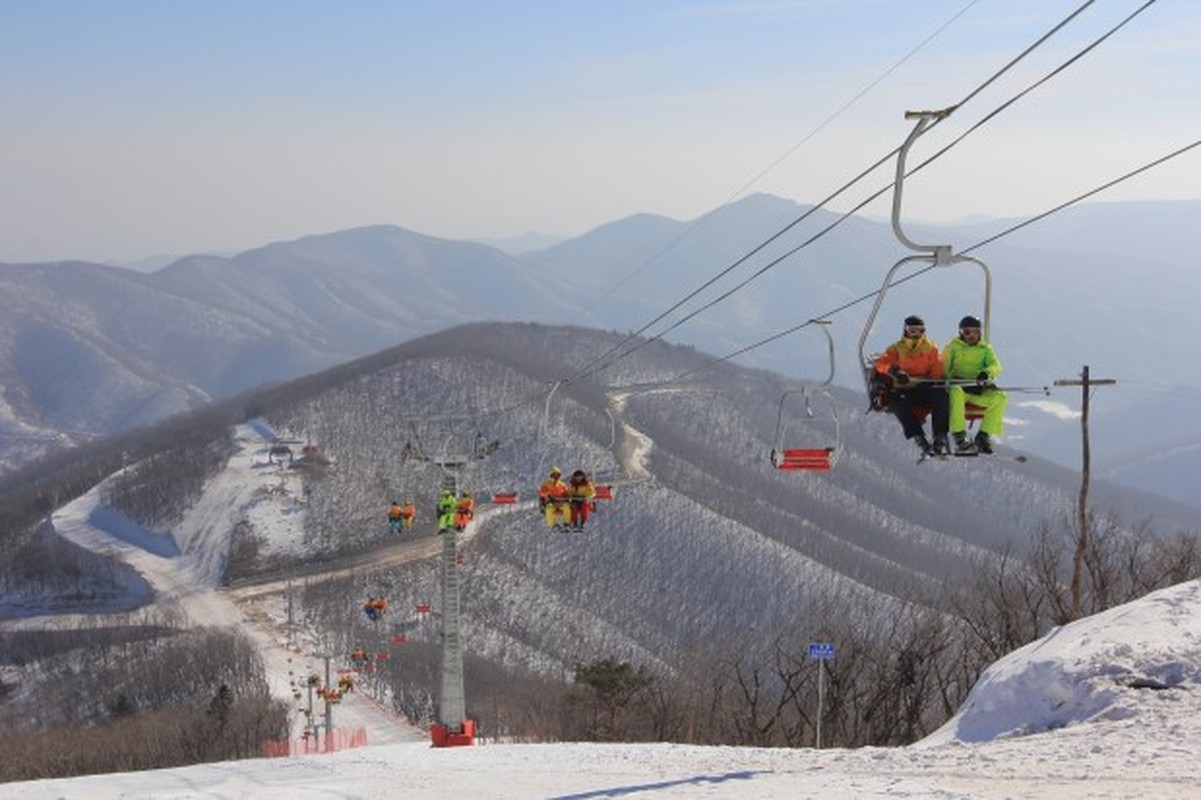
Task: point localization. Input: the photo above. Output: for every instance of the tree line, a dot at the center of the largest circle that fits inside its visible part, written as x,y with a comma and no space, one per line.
897,676
137,696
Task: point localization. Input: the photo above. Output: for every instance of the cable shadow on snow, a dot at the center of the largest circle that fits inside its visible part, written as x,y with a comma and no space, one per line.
619,791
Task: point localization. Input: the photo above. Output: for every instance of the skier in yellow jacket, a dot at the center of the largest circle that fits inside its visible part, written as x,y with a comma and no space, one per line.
447,503
970,358
552,499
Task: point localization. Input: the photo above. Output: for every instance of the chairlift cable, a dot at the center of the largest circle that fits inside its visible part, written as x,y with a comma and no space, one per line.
1084,196
937,155
1038,43
688,231
870,295
1053,73
595,365
592,366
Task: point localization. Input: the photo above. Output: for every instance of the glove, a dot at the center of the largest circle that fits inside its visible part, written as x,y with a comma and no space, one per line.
983,378
901,377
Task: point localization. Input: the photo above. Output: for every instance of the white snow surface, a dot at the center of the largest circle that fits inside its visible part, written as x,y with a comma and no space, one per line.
1106,707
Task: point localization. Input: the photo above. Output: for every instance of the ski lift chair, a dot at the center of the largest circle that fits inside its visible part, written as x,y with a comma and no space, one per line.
940,255
816,445
819,435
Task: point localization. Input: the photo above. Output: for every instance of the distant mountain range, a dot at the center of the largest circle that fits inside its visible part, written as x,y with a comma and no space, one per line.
87,350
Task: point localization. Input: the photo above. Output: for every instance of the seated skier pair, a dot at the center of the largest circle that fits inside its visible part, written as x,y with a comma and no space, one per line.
917,376
566,505
374,608
401,516
455,512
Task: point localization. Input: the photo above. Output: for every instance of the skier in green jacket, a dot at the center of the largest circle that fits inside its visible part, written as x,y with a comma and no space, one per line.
970,358
446,510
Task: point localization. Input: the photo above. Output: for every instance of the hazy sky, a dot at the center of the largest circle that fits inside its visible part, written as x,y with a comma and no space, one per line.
141,127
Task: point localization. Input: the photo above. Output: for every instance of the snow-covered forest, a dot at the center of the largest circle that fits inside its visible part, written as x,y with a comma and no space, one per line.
696,589
709,559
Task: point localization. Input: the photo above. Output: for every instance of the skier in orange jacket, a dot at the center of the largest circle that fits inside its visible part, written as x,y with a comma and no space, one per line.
580,493
464,511
912,368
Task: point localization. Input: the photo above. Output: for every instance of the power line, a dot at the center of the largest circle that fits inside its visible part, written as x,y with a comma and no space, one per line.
1085,382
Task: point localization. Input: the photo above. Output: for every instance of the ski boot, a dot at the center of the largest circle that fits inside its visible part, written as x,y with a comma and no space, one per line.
940,447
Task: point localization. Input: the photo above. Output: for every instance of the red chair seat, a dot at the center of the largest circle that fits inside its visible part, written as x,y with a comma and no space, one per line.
808,458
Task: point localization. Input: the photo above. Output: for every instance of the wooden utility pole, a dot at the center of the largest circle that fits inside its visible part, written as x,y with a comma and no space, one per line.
1086,383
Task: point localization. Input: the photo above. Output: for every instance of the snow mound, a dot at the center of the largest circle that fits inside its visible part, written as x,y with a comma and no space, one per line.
1098,668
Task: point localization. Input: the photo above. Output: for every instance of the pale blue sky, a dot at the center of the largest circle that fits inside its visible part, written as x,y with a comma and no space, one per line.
137,127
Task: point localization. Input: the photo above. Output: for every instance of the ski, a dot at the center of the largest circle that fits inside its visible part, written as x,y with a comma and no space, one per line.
1017,459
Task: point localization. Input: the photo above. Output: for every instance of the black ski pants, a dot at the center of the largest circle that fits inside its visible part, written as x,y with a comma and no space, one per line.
909,402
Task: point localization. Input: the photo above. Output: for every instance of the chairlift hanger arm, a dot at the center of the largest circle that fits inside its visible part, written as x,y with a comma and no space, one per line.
546,409
941,252
823,325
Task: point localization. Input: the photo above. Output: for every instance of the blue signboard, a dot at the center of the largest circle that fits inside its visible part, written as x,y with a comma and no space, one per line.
821,650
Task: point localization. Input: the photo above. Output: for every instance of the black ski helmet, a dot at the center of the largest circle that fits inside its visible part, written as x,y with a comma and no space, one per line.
969,322
914,319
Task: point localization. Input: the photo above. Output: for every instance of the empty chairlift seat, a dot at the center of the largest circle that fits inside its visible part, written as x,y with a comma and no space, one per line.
819,459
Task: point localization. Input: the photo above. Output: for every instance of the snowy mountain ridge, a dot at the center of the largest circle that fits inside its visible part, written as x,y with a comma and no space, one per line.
90,350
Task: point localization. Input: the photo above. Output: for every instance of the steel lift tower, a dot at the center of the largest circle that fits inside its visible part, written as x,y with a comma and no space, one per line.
453,728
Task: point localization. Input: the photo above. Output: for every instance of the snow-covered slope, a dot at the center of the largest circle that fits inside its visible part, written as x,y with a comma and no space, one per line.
1106,708
183,566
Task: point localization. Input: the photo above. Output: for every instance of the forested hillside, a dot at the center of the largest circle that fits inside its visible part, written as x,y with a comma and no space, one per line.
699,584
709,543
